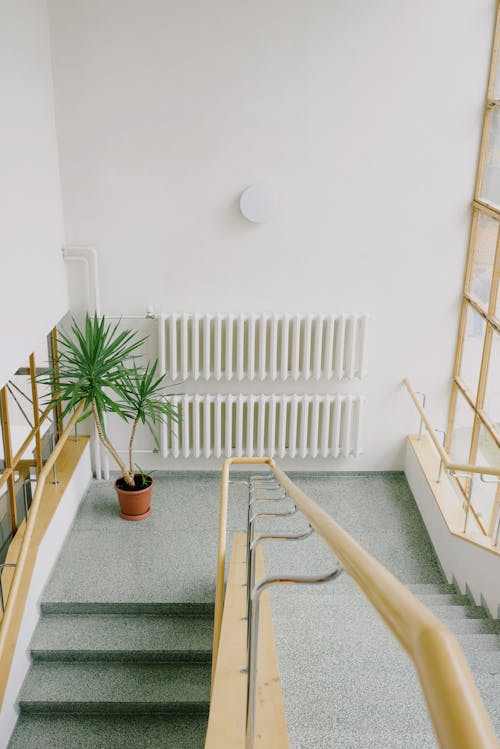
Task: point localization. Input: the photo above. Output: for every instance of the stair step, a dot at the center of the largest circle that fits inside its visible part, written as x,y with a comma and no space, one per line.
472,626
481,661
431,588
457,612
116,637
109,732
443,599
169,608
473,643
116,688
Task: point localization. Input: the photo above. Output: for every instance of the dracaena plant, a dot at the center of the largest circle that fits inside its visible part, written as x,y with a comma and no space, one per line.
144,400
96,365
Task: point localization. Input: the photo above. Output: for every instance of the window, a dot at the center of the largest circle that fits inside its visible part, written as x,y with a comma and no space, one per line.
473,434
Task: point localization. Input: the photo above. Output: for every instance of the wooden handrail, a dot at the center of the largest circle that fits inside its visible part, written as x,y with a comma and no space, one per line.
455,706
447,463
17,580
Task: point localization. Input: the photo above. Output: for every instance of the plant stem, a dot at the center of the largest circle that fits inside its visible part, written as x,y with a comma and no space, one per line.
127,475
130,445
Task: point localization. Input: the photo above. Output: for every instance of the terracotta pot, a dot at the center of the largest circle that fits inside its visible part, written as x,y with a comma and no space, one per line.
136,504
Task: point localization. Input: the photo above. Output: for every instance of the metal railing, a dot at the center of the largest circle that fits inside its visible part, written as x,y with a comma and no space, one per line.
456,709
465,470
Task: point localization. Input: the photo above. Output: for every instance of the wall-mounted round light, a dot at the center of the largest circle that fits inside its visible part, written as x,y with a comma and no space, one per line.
258,203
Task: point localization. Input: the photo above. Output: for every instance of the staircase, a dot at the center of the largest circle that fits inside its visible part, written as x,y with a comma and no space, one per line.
104,677
124,659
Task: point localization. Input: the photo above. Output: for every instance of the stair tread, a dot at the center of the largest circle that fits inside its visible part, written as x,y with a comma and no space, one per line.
112,683
109,732
114,634
126,608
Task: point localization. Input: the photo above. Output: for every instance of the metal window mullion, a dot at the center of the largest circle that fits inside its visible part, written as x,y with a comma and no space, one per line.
36,414
7,444
53,358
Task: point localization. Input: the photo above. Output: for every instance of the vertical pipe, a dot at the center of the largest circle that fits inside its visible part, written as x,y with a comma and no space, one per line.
218,426
218,347
325,427
196,425
162,358
337,402
273,348
174,354
284,400
250,447
285,342
292,432
251,347
315,426
239,425
304,425
296,347
261,425
363,324
318,346
186,433
350,348
175,431
207,427
184,345
207,346
229,425
360,407
306,348
346,426
195,347
262,347
229,346
271,428
240,351
329,348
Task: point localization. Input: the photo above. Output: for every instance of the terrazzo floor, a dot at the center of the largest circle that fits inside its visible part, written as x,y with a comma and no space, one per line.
346,682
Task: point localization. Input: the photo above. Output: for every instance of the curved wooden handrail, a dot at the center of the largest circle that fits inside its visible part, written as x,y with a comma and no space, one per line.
17,580
455,706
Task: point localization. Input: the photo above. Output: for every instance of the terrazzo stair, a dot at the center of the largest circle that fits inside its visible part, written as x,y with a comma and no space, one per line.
121,656
115,679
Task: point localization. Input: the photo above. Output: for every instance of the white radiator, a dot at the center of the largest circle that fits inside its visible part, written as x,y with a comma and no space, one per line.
275,347
282,425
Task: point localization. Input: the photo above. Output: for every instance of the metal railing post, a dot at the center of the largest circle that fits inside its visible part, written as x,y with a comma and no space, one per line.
254,637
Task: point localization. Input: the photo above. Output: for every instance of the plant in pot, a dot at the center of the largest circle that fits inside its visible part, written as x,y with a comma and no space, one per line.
96,365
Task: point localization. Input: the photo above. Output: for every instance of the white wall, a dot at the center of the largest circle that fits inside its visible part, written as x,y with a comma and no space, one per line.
33,295
472,567
366,119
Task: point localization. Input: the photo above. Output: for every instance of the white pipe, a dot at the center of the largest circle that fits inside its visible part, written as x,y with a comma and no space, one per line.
88,256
